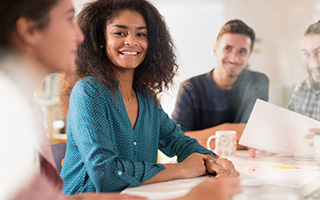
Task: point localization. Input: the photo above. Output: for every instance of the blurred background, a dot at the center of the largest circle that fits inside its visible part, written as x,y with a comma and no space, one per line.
194,24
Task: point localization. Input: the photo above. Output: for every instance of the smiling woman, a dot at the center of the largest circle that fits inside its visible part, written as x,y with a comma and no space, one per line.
115,122
126,39
126,47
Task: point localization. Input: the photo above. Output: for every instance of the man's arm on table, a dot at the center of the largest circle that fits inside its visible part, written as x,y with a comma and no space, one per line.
204,134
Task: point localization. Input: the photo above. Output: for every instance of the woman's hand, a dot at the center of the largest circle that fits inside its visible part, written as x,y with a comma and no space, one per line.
221,167
193,166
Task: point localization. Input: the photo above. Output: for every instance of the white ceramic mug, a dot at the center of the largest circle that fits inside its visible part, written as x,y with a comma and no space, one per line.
316,153
226,143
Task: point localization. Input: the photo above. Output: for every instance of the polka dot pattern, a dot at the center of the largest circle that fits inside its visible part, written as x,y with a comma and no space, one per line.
104,153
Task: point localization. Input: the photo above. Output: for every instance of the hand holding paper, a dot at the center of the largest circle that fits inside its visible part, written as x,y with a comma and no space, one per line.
278,130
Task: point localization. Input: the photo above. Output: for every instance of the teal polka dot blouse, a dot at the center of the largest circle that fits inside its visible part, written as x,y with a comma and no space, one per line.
104,153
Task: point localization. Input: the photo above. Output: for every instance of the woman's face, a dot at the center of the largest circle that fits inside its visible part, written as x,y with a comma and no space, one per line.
56,45
126,39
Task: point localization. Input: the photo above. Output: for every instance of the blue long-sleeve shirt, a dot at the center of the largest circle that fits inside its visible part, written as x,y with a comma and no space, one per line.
202,104
104,152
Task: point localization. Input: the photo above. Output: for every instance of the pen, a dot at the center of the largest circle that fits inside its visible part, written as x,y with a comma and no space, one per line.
313,168
279,166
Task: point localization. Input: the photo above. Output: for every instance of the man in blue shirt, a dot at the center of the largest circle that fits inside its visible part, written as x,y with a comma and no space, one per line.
224,97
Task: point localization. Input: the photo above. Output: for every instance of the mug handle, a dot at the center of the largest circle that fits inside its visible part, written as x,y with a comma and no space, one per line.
209,140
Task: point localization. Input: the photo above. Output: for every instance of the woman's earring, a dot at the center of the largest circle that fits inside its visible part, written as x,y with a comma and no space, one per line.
101,46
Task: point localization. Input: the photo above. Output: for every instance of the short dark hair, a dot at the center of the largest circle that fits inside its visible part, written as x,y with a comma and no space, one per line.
12,10
313,29
237,26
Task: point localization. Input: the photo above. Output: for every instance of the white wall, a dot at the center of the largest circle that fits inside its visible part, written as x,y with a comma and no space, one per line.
78,4
279,26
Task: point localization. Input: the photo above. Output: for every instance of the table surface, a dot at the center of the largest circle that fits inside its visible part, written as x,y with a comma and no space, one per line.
246,165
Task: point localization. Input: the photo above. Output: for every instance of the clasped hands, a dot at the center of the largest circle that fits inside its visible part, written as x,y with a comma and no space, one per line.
199,164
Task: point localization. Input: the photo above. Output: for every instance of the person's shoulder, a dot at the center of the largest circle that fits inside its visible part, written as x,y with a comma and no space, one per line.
89,80
201,76
88,84
197,79
301,88
303,83
254,75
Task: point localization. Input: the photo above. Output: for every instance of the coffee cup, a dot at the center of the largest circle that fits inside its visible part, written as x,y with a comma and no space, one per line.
225,142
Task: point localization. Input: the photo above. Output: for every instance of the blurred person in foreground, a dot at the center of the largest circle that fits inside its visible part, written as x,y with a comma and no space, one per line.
36,38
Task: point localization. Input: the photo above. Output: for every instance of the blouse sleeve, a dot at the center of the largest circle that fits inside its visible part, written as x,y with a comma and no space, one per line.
93,135
174,142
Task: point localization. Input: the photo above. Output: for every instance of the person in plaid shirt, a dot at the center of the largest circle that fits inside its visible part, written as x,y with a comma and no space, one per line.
305,98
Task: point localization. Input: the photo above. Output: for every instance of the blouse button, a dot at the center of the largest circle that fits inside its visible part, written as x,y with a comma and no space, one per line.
120,173
134,143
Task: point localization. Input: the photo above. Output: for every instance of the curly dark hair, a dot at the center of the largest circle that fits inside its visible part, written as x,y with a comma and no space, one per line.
155,74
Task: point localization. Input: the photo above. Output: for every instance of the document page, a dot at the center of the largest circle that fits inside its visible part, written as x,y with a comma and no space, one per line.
278,130
291,178
165,190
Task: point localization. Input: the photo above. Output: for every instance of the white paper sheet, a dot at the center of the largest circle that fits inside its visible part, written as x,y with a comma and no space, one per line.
170,189
291,178
278,130
165,190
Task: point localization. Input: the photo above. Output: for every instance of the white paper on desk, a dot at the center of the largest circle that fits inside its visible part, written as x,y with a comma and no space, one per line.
165,190
292,178
278,130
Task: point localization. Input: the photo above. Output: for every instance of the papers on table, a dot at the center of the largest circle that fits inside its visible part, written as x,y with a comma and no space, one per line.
278,130
170,189
253,174
265,172
165,190
292,178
